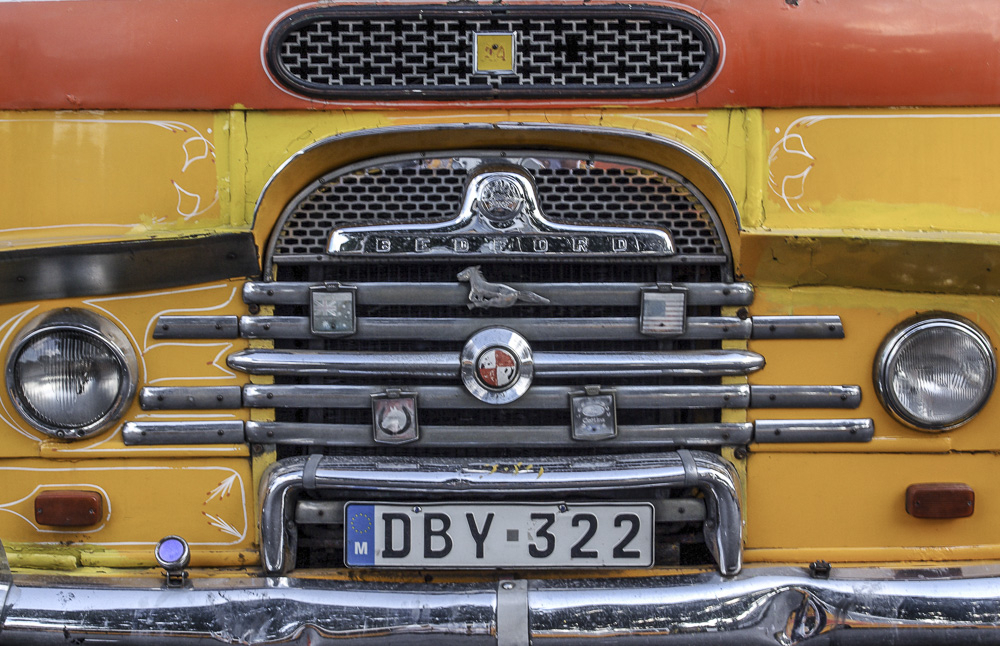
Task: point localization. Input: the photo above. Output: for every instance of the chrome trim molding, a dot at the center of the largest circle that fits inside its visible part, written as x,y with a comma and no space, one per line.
447,364
805,396
455,294
284,480
797,327
676,435
788,431
196,327
161,433
774,606
193,398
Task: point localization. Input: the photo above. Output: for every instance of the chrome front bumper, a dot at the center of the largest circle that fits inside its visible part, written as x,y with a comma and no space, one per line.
355,478
775,606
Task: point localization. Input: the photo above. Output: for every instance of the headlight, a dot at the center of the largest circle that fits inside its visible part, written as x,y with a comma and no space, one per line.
71,373
935,372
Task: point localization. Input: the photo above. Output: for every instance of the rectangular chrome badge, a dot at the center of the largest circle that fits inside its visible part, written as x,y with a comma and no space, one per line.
331,311
489,535
663,312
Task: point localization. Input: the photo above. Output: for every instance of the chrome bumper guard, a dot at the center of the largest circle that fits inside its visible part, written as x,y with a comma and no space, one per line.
357,478
774,606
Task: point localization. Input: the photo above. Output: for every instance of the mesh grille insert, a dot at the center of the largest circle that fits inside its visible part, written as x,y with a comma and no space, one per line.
570,190
428,51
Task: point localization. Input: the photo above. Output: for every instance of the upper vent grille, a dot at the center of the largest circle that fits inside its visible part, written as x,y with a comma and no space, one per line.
429,52
570,190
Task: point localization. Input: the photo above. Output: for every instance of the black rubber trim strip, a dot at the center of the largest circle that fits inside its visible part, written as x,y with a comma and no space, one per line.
120,267
465,93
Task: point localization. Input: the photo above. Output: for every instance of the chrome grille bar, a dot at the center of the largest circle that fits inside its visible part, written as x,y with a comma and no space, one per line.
797,327
341,396
306,396
705,363
196,327
154,433
196,398
805,396
460,329
561,294
361,435
811,431
447,364
787,431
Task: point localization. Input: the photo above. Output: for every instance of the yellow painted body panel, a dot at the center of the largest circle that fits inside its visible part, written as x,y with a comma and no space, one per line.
851,506
912,170
209,500
144,173
88,176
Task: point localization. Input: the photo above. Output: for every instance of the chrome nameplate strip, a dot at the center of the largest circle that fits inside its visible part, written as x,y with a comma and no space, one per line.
500,217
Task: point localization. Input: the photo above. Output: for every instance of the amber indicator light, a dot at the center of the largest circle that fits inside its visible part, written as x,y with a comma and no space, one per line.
940,500
69,508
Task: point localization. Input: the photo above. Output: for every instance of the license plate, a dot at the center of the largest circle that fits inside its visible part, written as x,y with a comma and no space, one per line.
487,535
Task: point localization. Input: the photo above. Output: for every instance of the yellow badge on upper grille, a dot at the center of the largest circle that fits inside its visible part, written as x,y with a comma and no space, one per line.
495,53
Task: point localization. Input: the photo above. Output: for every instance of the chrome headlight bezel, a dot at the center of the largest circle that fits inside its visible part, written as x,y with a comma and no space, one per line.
98,330
906,332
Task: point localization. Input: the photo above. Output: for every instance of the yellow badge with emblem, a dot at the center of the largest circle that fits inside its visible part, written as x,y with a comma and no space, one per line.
495,52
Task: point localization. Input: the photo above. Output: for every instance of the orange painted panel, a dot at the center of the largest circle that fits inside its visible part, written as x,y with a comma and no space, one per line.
201,54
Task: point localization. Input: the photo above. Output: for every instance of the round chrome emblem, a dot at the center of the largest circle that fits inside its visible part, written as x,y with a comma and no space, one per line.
500,198
497,366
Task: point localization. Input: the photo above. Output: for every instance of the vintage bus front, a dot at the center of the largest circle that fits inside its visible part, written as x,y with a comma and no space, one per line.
499,323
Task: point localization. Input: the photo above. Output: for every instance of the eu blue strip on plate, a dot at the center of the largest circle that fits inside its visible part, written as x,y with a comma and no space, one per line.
359,548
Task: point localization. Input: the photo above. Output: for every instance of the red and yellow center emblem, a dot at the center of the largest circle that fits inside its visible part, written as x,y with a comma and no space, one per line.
497,368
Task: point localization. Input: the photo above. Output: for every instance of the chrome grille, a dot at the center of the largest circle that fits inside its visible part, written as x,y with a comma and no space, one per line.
571,190
407,306
428,51
412,324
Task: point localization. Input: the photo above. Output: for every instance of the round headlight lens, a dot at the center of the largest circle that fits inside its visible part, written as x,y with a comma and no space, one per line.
71,373
935,373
